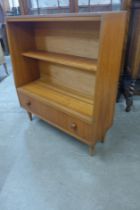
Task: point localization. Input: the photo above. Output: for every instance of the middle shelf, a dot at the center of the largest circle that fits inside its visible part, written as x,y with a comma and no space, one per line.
63,59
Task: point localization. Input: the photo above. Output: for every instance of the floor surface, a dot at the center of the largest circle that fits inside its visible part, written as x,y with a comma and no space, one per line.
41,168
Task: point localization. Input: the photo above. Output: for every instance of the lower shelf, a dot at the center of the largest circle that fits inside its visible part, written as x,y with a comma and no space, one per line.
59,99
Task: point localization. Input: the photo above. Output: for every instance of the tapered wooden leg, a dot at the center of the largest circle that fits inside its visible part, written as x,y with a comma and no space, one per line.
103,139
30,115
91,150
6,70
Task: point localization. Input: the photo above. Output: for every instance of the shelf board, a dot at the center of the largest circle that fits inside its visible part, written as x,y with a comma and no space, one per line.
59,100
67,91
67,60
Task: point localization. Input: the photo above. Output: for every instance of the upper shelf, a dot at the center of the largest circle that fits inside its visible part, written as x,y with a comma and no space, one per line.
67,60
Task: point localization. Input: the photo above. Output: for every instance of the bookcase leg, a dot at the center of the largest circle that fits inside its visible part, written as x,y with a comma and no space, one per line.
91,150
103,139
30,115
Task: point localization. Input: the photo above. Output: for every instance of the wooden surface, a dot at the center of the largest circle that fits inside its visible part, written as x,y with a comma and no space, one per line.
76,38
73,83
57,118
67,60
110,57
80,82
126,4
96,16
20,38
59,99
133,59
56,17
131,69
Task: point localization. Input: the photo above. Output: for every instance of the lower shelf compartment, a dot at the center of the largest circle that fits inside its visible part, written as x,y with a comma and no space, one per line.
60,100
69,124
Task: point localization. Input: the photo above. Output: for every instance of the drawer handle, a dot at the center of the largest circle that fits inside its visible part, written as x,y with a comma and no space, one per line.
73,126
28,103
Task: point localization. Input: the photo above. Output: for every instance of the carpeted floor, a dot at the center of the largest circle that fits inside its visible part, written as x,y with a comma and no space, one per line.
41,168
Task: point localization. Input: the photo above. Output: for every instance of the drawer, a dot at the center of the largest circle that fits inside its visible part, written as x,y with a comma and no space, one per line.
65,122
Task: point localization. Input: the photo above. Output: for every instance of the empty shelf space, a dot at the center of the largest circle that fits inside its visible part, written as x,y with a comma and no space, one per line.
59,100
67,60
68,91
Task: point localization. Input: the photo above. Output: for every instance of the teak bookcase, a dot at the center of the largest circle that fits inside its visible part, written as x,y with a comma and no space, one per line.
66,69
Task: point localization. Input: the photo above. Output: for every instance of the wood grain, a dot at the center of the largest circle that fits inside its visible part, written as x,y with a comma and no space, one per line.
92,16
73,83
76,38
134,47
57,118
57,17
21,39
67,60
109,66
58,99
80,82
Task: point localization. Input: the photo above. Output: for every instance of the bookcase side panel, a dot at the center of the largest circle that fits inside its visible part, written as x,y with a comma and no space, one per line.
110,55
21,39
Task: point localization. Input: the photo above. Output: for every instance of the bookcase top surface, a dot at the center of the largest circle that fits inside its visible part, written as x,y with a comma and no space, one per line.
96,16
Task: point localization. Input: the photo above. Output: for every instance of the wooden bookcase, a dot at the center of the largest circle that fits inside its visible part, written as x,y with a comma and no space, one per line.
66,69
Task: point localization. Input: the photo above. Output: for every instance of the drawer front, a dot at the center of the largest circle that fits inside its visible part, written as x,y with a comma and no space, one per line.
71,125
